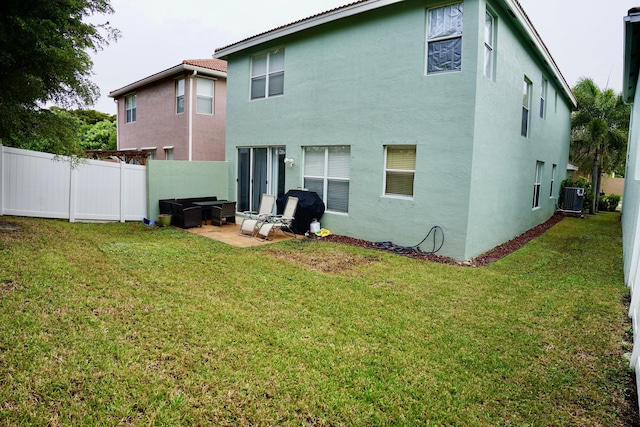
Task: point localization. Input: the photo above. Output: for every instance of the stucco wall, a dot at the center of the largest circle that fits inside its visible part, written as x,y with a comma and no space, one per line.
158,125
612,185
360,82
179,179
504,162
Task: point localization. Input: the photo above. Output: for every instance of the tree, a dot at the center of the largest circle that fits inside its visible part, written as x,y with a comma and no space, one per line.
599,131
99,136
44,58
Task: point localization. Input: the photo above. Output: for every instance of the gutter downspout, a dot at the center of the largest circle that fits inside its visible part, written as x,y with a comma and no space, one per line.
118,116
193,76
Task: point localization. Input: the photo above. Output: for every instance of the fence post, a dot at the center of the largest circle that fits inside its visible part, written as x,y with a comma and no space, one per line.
123,191
73,179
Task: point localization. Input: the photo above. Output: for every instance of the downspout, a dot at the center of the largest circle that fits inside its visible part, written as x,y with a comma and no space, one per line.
118,116
193,76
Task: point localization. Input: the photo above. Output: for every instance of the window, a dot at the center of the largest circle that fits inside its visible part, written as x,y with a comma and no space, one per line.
168,153
444,39
536,185
267,74
150,151
553,179
204,96
488,45
179,96
543,97
400,169
326,171
526,107
130,106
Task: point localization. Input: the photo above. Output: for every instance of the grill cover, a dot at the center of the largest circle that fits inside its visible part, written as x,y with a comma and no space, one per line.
310,207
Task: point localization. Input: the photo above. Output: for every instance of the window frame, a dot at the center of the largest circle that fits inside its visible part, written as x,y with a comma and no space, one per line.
525,124
489,46
544,87
268,75
168,152
439,39
554,171
208,98
537,185
180,92
130,108
326,177
388,170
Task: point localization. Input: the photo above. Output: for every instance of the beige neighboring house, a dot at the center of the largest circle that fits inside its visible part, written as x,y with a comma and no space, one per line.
176,114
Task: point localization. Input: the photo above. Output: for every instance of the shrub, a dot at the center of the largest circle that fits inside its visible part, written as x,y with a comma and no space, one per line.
609,202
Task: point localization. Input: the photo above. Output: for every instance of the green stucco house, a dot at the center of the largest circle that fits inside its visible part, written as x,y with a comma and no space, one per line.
402,116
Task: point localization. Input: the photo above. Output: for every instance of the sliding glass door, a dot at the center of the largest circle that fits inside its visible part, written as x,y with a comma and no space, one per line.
260,170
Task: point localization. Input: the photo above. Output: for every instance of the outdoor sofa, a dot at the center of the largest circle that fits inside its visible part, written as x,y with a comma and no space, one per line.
184,213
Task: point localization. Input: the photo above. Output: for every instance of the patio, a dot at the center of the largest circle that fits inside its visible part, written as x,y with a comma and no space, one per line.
228,233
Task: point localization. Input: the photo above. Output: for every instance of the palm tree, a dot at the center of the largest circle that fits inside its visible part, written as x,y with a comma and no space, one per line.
599,131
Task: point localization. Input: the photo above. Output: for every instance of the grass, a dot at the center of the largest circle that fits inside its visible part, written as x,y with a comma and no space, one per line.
122,324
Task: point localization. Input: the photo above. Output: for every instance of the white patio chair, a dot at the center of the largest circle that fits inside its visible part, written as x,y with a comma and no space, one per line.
268,229
253,219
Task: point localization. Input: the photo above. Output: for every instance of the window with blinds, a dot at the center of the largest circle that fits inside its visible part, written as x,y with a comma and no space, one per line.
326,171
204,96
400,169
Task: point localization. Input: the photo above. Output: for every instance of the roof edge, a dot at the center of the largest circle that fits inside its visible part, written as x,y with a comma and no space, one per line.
366,5
163,74
303,24
520,14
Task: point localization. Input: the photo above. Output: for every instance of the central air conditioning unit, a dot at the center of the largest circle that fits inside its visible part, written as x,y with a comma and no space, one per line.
573,199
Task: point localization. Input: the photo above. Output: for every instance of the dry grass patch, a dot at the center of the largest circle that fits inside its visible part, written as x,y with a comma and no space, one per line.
331,261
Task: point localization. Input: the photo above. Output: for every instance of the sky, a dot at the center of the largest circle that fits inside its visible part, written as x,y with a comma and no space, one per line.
585,37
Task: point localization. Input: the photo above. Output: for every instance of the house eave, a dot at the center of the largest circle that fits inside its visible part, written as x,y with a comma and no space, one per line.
304,24
631,57
518,12
363,6
164,74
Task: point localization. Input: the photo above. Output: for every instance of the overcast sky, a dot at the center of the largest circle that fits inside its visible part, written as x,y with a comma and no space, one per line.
585,37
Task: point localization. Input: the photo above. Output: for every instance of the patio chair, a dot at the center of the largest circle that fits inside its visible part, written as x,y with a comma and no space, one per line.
253,219
268,229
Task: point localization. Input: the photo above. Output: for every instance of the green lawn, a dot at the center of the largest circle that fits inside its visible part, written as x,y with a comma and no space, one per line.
123,324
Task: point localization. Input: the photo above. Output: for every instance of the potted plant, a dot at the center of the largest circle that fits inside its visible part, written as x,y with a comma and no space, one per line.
164,220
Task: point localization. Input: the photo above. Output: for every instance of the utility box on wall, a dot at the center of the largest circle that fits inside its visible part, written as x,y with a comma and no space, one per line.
573,199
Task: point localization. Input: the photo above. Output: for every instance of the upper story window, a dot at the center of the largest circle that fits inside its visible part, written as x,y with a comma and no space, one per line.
543,97
204,96
179,96
489,42
267,74
130,107
326,171
444,39
400,169
526,107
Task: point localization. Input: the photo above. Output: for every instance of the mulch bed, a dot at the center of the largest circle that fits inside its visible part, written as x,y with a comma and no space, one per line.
479,261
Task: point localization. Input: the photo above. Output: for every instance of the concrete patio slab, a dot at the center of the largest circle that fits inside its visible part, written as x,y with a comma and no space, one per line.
228,233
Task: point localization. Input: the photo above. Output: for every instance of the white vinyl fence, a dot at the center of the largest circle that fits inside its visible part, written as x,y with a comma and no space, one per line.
43,185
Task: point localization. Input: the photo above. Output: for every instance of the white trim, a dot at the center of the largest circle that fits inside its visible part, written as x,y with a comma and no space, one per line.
166,73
